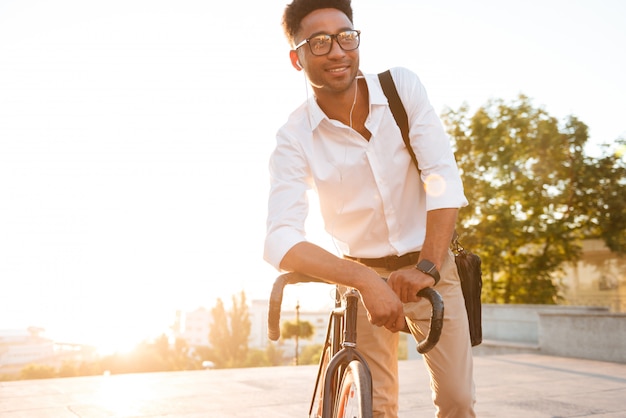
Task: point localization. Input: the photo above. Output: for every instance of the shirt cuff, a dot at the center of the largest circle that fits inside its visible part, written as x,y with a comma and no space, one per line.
278,243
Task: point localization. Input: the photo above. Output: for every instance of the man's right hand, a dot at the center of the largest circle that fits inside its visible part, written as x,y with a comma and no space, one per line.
384,308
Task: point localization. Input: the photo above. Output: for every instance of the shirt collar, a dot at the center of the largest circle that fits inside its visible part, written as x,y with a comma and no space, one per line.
376,95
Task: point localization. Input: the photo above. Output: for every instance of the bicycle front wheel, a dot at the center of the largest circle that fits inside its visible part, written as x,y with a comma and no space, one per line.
355,393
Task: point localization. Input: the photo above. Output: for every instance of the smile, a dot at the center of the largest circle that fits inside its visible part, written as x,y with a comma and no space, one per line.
337,70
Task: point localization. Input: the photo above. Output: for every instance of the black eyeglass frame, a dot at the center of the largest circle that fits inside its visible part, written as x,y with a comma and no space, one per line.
333,38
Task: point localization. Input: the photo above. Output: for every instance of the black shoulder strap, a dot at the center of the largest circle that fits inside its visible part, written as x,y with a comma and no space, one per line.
399,114
397,109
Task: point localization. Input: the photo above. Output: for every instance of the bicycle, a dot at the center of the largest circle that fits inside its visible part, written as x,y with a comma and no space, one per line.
343,387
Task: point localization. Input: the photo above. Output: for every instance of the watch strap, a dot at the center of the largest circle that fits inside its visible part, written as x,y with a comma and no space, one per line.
428,267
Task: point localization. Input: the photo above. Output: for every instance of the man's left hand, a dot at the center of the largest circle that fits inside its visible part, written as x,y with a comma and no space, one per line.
406,283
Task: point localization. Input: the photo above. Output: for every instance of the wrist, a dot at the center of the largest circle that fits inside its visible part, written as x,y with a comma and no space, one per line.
429,268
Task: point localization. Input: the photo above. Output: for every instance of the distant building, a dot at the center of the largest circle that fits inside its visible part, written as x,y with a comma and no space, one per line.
597,279
193,327
21,347
258,329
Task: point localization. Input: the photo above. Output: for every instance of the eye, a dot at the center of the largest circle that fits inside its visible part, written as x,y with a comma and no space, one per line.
319,42
349,35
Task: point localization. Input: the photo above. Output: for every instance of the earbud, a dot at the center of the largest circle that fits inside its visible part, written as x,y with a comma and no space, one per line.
298,65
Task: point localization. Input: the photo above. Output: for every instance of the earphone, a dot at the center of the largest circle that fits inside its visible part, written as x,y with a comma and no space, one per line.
298,64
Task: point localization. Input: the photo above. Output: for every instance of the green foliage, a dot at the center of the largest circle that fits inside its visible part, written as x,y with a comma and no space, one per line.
274,354
229,333
605,178
534,195
301,329
68,369
240,329
37,371
257,358
152,356
297,329
311,354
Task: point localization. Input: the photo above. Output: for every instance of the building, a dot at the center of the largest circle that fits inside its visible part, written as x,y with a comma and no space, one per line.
258,329
597,279
193,327
22,347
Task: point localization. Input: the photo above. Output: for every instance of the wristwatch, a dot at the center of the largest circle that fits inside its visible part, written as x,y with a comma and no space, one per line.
428,267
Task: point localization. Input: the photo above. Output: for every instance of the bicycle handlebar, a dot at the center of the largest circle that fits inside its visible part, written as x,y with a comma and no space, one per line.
276,299
436,320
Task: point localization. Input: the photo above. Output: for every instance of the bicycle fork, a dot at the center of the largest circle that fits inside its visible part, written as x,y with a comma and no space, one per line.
345,355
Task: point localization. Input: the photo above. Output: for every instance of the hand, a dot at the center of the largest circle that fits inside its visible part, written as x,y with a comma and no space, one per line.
384,308
406,283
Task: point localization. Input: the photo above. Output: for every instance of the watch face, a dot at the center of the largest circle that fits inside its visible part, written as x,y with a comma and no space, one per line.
426,266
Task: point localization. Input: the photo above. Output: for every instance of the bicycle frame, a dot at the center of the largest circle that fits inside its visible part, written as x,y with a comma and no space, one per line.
342,350
341,337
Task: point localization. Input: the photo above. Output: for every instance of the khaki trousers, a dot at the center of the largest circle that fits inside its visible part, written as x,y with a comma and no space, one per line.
450,363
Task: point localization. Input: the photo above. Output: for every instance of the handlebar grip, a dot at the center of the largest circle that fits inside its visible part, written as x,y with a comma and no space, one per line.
273,316
436,319
276,300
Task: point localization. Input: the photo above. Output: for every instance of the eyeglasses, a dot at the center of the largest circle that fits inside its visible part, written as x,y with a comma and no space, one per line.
348,40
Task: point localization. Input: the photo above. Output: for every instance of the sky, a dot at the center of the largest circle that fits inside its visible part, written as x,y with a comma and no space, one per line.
135,136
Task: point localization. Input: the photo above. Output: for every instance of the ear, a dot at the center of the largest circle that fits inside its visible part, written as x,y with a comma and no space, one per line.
293,56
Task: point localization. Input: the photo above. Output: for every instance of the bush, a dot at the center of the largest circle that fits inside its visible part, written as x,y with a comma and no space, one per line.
37,371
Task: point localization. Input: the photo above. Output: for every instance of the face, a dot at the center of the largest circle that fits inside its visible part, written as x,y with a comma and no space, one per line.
335,71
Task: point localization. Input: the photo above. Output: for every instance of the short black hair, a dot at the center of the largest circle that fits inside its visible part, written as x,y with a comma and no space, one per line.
299,9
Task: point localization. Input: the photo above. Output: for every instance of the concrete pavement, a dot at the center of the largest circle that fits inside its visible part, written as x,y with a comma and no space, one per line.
508,386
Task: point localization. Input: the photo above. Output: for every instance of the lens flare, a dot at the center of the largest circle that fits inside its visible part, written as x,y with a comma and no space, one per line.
435,185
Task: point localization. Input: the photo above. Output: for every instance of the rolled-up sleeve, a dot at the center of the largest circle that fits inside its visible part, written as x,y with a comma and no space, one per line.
431,143
287,205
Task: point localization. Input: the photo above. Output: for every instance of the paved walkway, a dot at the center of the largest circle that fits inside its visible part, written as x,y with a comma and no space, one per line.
508,386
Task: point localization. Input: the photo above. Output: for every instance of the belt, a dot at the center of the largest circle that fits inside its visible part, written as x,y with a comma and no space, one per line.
390,262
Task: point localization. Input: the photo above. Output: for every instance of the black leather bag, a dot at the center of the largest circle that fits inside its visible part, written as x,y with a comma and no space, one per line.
468,264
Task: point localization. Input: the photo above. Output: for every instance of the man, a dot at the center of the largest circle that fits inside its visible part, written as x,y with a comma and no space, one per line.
345,144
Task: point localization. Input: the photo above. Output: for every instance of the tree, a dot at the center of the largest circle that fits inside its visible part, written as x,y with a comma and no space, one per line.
534,196
297,329
240,329
229,333
311,354
274,354
300,329
68,369
605,178
37,371
219,335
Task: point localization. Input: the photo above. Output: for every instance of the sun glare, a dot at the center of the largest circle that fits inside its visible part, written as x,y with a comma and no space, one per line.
114,345
621,152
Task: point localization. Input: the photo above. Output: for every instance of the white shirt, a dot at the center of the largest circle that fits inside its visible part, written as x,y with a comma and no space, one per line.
370,195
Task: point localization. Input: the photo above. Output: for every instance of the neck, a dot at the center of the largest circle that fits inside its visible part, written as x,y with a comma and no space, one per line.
340,105
350,108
